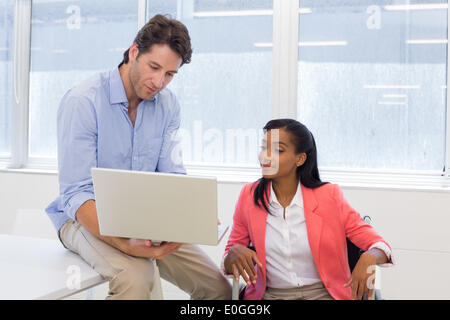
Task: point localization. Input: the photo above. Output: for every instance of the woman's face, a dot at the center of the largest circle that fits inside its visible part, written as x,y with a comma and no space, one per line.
278,157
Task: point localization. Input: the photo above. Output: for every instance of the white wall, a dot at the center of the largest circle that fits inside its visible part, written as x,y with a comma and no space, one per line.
415,223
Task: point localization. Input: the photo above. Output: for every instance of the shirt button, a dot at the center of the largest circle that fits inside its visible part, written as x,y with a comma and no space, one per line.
134,158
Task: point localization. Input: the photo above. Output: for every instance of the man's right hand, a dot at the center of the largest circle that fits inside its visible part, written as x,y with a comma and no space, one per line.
144,248
87,217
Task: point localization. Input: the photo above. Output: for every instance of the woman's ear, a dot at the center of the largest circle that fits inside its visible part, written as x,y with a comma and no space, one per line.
301,158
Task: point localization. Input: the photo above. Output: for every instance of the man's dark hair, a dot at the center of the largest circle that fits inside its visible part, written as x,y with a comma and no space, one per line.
163,30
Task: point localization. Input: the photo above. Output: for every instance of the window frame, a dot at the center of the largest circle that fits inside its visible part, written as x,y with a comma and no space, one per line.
286,17
447,108
21,79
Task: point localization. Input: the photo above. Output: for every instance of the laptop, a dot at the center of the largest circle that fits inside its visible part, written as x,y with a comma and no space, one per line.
157,206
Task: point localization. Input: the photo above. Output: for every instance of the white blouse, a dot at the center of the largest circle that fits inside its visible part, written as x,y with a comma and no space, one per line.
289,261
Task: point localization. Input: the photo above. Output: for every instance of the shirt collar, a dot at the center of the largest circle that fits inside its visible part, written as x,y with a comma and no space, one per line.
296,200
117,94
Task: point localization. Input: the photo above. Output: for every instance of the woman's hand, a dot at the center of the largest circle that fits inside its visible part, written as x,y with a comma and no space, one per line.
363,275
241,260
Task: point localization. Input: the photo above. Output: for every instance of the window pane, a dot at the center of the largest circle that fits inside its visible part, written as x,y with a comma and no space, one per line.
70,41
225,92
372,82
6,74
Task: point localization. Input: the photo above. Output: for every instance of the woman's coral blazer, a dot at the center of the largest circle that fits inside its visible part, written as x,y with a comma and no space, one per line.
329,221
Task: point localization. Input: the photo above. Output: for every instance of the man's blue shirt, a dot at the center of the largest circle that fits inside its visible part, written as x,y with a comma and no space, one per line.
94,130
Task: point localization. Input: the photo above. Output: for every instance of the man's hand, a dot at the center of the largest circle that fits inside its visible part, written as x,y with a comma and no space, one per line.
145,249
87,217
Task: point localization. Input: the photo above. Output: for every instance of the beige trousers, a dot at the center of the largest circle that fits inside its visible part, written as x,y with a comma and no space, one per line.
316,291
130,277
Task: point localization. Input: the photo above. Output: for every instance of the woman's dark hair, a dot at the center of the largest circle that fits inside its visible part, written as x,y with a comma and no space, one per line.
308,173
163,30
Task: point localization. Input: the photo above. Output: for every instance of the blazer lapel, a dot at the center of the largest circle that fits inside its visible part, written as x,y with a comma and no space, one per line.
313,222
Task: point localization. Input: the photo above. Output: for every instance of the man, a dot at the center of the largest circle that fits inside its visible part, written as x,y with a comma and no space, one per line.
126,119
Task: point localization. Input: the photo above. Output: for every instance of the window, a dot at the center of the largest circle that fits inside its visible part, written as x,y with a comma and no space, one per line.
372,83
6,74
369,78
225,92
71,41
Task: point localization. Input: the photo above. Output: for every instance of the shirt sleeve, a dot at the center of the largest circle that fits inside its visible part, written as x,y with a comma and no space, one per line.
387,251
77,151
170,158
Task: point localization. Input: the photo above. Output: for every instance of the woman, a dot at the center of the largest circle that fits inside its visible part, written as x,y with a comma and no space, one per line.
298,226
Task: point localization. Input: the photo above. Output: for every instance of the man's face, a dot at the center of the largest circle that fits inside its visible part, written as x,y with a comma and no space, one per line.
150,72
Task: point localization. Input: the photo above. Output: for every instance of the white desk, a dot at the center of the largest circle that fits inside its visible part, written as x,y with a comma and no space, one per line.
34,268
